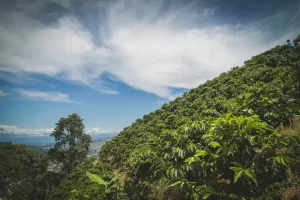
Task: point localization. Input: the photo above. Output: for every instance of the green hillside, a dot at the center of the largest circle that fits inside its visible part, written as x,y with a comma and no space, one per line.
233,137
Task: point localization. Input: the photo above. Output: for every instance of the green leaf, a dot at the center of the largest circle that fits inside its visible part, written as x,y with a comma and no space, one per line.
116,177
214,144
175,173
206,196
236,164
284,143
250,174
284,160
96,178
200,153
236,169
237,175
176,183
191,160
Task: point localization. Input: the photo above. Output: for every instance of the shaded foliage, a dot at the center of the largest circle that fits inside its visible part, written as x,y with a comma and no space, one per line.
22,173
89,180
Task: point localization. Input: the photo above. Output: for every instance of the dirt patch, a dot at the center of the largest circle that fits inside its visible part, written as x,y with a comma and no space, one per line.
292,193
110,159
96,161
123,178
296,124
293,128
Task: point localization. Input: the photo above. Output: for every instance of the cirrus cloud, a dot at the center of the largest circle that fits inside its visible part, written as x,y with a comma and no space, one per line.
45,96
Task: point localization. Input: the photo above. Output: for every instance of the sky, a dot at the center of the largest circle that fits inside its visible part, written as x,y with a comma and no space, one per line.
115,61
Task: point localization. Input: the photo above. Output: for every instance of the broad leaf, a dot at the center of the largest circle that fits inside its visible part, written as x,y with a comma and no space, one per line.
201,153
214,144
191,160
96,178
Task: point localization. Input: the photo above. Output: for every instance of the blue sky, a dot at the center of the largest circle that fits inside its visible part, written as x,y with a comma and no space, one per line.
115,61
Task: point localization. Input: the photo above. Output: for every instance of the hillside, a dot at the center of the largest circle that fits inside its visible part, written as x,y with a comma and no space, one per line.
233,137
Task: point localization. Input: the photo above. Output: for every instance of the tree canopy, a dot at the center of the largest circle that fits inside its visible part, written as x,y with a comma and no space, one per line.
72,143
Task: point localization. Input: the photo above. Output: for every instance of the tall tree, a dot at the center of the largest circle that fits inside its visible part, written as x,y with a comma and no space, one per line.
72,143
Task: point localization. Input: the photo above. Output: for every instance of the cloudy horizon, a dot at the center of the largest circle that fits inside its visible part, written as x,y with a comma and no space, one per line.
14,130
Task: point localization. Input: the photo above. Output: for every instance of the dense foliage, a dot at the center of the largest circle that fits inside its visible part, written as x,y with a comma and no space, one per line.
78,180
85,183
220,140
21,173
27,174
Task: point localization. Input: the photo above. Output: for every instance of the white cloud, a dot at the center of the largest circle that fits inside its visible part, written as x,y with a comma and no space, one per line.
14,130
5,129
158,58
158,55
141,47
98,130
3,94
64,50
44,96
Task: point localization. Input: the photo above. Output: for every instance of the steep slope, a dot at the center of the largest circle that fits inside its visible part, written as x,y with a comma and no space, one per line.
264,93
268,85
234,137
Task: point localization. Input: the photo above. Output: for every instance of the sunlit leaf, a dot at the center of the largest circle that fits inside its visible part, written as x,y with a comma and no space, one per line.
96,178
200,153
214,144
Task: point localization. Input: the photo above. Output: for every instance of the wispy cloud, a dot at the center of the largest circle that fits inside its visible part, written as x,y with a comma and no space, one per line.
138,44
3,94
45,96
14,130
